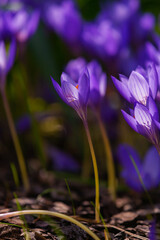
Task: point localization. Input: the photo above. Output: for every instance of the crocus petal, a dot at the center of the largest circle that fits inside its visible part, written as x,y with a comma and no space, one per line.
122,88
95,71
151,166
11,55
3,58
65,77
94,97
157,123
123,79
138,87
153,108
141,71
84,87
58,90
145,122
74,68
152,52
29,27
153,79
130,120
70,92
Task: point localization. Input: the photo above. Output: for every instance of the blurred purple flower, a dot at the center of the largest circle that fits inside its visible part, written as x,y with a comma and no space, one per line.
149,169
152,233
101,39
6,60
75,67
61,160
145,121
98,83
140,85
75,94
118,35
64,18
20,21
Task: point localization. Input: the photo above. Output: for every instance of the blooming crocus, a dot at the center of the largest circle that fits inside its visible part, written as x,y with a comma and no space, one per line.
149,169
98,79
64,18
75,94
21,22
139,86
6,59
145,121
98,84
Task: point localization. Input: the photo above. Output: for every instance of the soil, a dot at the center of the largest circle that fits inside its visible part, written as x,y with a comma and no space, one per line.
128,217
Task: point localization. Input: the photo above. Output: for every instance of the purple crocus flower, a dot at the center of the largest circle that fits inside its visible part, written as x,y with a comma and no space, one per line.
140,85
75,94
149,169
145,121
20,21
6,60
64,18
101,39
98,79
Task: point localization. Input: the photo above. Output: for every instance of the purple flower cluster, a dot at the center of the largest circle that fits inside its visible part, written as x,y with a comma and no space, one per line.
149,169
117,35
141,90
81,83
63,17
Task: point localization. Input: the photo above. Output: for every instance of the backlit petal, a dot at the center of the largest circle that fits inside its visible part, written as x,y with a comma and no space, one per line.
130,120
84,87
153,80
123,89
138,87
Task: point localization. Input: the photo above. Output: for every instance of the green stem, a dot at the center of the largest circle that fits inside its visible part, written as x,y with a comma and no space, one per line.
109,160
15,140
97,204
4,216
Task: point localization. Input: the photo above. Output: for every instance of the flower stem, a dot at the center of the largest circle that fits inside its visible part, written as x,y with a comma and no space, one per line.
109,160
15,140
4,216
97,204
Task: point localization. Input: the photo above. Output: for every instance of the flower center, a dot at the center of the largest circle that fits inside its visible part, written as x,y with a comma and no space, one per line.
77,86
